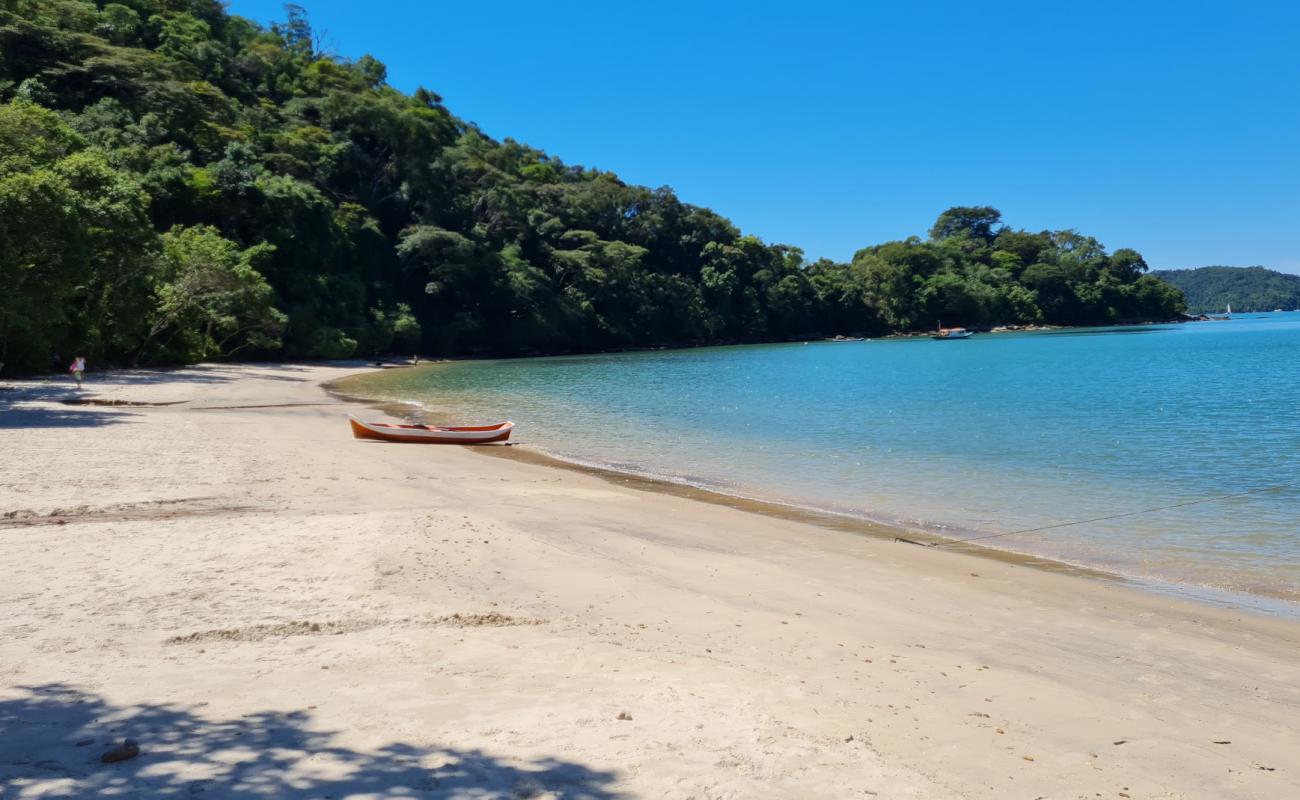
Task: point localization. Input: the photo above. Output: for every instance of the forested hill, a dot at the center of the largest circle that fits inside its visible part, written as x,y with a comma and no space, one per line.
177,183
1212,289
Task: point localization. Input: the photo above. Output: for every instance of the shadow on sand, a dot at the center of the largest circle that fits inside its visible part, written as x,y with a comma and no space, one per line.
26,416
19,409
220,373
52,736
60,386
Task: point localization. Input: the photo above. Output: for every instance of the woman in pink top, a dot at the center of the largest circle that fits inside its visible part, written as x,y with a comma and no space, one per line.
78,366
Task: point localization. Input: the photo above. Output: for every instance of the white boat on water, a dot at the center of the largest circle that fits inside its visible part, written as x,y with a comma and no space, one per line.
951,333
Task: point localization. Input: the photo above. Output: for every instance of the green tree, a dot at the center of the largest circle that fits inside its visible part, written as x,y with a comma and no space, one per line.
974,222
210,298
74,237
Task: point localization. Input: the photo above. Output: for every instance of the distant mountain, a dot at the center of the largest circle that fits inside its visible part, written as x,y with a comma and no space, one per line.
1212,289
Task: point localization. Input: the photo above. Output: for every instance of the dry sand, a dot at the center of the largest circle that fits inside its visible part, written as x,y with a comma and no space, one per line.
273,609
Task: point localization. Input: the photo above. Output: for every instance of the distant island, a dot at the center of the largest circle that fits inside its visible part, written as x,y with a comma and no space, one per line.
180,184
1213,289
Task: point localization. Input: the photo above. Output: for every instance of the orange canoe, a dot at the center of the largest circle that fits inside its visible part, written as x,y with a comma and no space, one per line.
429,434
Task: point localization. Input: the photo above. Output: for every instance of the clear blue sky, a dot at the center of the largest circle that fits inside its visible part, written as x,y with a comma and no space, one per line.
1170,127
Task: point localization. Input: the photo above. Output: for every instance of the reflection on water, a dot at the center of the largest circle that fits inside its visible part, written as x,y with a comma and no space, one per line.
997,433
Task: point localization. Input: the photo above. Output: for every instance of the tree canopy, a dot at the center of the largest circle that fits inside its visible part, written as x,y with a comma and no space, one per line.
178,183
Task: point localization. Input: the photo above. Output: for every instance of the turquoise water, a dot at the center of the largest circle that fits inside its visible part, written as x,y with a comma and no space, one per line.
1000,432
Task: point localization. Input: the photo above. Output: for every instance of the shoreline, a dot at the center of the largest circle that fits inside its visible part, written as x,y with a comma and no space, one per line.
261,600
54,373
1209,596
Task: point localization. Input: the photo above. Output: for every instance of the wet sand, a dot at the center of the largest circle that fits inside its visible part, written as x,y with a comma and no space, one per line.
271,608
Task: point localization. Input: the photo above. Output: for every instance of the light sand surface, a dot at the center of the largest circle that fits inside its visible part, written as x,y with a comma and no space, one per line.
273,609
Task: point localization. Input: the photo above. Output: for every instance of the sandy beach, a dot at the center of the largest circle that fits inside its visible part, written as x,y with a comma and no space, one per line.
273,609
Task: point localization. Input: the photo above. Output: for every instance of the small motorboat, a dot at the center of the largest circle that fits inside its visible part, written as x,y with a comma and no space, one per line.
431,434
952,333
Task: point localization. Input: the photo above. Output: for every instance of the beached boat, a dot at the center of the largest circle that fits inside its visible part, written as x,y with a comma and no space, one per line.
952,333
430,434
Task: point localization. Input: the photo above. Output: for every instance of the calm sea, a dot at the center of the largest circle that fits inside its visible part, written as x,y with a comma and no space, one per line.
997,433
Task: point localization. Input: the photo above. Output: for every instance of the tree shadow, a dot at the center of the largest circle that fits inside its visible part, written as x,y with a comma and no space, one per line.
197,373
17,417
52,736
58,386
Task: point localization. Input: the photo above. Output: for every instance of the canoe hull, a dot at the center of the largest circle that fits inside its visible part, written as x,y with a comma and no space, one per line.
426,434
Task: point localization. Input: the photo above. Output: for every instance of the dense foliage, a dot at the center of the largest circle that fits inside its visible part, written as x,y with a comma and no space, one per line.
177,183
1213,289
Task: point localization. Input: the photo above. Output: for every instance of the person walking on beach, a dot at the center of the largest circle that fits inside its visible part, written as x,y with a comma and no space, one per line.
77,367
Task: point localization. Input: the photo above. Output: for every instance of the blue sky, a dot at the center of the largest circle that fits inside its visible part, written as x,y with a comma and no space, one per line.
1173,128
